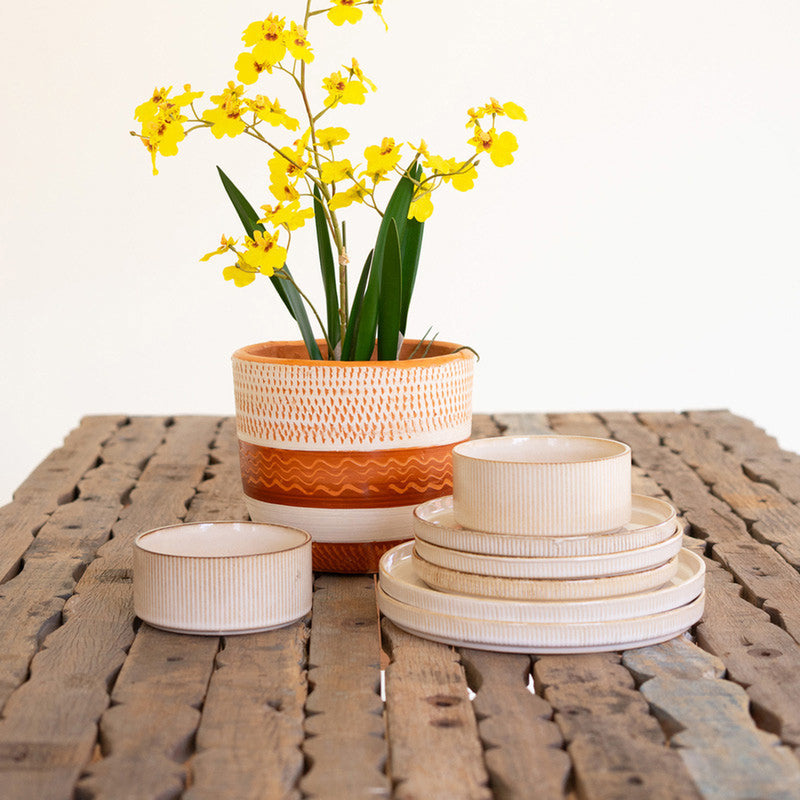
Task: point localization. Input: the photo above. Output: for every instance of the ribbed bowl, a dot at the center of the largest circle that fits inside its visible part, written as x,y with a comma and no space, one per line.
542,485
222,577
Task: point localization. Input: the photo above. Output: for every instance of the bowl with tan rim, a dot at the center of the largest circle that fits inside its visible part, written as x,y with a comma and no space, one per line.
542,485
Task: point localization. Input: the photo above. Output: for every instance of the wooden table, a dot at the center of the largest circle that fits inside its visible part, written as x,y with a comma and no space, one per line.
97,705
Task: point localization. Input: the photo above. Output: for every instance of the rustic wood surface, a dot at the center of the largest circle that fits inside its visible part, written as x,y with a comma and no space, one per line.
95,704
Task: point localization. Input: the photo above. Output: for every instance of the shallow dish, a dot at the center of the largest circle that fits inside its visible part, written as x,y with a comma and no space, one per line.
545,568
542,485
400,581
542,638
449,580
652,521
222,577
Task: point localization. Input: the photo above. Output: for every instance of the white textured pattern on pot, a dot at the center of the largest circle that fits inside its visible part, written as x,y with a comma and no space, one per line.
338,524
346,407
231,594
540,637
553,499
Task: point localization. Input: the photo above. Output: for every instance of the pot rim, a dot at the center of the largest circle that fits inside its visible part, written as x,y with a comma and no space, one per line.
246,354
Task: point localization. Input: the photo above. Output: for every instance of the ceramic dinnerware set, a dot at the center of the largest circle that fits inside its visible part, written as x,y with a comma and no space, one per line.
543,549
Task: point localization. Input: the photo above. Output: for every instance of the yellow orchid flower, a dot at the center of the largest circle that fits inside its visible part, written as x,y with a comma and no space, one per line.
290,215
356,72
377,8
421,208
264,253
226,117
344,11
266,38
499,147
249,68
272,112
383,156
148,110
334,171
343,90
355,194
226,243
463,181
296,40
514,111
376,175
332,137
239,274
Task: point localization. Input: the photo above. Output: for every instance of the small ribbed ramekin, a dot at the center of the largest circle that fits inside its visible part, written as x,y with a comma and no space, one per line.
216,578
542,485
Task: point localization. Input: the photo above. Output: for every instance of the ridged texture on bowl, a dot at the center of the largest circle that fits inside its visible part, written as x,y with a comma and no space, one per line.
542,637
449,580
550,568
542,499
400,581
652,521
232,594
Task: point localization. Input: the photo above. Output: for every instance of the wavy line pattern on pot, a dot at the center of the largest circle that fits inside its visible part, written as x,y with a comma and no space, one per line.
324,479
356,406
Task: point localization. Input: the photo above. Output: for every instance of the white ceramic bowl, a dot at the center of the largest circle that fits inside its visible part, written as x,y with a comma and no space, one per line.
652,521
222,577
542,485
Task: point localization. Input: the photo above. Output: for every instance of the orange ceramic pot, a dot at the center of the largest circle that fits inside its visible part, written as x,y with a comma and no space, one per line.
347,449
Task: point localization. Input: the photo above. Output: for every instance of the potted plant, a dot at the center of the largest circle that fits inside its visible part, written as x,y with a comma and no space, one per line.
343,432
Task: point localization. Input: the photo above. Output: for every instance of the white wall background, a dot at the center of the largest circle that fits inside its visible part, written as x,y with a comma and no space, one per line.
642,252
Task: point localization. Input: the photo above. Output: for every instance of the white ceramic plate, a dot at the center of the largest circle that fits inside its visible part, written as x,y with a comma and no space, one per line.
652,521
214,578
399,580
449,580
542,638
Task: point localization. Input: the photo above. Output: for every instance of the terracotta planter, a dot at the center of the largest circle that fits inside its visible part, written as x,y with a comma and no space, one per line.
347,450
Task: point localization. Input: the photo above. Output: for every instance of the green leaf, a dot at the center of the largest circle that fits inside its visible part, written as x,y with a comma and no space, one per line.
328,269
411,250
391,297
397,212
286,291
348,345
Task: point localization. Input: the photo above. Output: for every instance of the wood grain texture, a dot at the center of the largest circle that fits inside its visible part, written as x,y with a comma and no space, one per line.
48,730
521,424
773,519
31,602
708,722
511,722
483,426
50,485
345,759
434,749
739,435
616,746
150,728
251,732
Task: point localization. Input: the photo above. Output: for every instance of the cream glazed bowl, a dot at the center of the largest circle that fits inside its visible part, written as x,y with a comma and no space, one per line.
216,578
542,485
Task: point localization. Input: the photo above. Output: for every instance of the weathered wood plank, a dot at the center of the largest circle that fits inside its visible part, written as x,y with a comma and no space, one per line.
248,743
773,518
757,653
154,718
483,425
616,746
344,760
434,749
31,603
148,733
709,724
739,435
48,730
521,424
51,484
523,747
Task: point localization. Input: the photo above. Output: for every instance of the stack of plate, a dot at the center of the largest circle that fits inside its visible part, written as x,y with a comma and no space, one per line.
543,549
